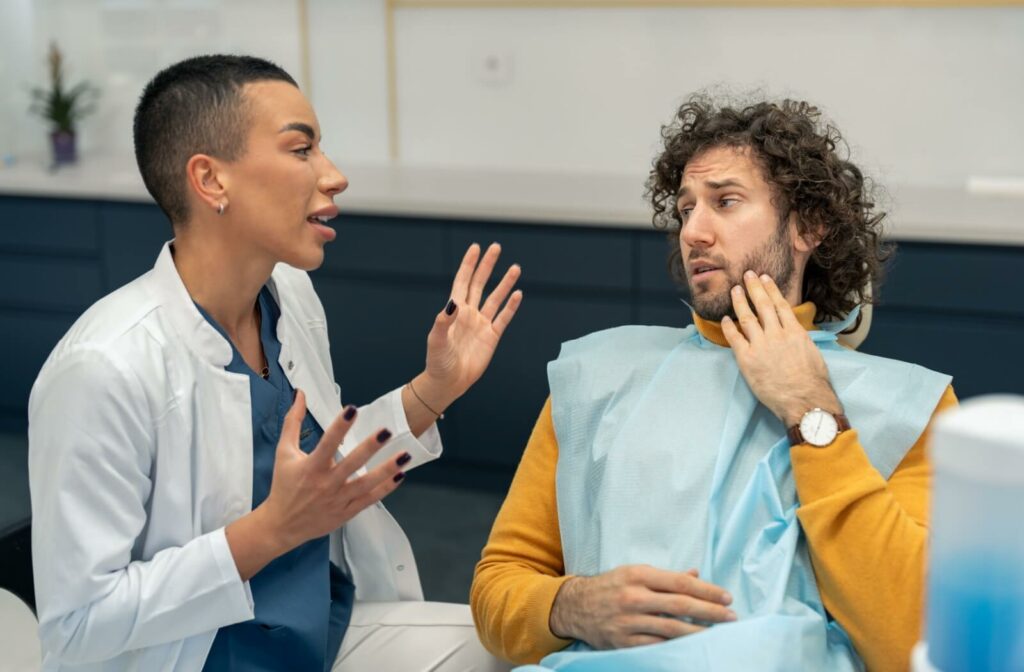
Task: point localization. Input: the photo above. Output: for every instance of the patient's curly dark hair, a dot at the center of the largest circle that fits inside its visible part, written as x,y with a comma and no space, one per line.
806,163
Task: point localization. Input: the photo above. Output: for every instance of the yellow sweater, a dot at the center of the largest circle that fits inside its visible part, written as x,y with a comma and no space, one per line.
867,539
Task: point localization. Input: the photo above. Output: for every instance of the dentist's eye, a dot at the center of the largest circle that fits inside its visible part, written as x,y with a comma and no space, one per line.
303,151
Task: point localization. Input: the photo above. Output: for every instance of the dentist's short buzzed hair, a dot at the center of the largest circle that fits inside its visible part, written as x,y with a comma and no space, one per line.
194,107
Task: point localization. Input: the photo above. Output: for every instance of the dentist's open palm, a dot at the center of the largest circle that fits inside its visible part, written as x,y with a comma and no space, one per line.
466,333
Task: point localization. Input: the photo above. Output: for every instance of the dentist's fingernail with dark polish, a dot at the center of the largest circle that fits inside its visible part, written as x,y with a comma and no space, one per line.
403,459
450,308
399,476
383,435
350,412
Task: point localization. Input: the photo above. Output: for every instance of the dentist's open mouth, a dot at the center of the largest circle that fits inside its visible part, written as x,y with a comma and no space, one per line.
320,224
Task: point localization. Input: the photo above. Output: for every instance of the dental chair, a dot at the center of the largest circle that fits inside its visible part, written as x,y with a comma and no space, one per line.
19,636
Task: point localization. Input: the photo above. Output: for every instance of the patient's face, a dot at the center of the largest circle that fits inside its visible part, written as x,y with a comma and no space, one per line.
729,225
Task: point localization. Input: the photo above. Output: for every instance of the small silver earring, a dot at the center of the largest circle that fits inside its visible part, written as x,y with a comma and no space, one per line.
220,208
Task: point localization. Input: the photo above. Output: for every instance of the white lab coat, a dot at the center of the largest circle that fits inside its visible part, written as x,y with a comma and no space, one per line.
140,453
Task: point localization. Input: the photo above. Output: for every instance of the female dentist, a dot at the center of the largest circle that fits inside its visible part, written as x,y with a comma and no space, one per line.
189,512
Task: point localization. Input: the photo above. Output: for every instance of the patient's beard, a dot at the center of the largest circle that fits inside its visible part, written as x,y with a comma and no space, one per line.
774,258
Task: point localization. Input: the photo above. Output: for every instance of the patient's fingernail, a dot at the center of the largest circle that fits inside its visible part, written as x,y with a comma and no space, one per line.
766,278
731,616
350,412
403,459
726,598
450,308
399,476
383,435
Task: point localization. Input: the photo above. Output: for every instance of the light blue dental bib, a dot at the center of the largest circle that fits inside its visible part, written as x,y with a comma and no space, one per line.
666,458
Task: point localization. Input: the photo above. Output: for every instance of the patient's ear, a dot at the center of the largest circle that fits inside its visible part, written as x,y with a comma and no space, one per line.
807,241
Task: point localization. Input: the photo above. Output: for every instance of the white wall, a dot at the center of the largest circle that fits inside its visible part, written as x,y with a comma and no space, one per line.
349,79
926,96
15,44
118,45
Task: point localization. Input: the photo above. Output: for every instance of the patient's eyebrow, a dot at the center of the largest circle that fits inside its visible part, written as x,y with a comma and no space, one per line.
711,184
300,127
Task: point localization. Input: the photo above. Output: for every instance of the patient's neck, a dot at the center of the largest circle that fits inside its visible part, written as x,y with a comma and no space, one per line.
712,331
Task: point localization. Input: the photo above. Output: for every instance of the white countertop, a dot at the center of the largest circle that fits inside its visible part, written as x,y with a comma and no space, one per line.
610,200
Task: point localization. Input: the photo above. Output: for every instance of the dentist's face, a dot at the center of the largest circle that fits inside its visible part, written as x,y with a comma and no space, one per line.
281,191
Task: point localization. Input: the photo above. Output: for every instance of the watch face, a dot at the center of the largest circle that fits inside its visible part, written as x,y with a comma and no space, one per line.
819,428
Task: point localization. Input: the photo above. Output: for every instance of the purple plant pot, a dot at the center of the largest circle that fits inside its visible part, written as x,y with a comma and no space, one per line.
63,147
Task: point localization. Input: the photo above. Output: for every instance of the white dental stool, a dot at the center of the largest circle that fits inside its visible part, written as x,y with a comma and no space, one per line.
19,636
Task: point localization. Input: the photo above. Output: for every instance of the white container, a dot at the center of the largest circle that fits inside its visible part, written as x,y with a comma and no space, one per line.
975,618
919,659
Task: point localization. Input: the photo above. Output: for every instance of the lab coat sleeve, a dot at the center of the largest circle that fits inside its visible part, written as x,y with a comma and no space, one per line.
387,412
91,446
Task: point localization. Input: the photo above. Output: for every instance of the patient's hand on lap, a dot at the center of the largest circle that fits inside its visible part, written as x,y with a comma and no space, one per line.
635,605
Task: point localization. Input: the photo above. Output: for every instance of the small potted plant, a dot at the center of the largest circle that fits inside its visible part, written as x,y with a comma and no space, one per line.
62,107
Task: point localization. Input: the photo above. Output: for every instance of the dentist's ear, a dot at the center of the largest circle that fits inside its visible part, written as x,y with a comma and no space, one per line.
207,182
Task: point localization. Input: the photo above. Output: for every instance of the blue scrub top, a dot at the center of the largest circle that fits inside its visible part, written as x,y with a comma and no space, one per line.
303,601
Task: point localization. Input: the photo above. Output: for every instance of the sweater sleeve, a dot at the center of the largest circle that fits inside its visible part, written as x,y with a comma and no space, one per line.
868,539
521,568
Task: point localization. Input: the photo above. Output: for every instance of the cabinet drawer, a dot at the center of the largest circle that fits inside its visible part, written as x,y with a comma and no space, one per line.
653,248
554,256
29,339
54,284
48,224
386,245
133,234
957,278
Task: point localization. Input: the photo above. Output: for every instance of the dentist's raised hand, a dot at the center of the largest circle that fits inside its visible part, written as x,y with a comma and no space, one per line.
464,337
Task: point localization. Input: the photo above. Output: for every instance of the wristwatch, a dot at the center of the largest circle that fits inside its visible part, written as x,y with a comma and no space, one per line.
818,428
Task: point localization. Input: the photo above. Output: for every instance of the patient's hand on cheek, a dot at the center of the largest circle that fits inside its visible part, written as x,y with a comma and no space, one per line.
776,356
635,605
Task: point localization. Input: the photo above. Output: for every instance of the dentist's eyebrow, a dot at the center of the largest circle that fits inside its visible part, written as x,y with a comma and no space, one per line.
301,128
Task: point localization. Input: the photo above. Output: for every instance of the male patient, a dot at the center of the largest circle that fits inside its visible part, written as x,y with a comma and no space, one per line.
747,492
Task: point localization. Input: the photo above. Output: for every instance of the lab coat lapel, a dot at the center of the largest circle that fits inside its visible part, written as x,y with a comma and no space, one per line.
298,359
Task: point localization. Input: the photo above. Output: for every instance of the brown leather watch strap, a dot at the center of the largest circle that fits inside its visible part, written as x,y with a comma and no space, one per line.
795,436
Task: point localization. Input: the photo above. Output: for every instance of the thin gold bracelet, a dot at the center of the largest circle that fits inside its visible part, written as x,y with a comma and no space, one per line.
440,416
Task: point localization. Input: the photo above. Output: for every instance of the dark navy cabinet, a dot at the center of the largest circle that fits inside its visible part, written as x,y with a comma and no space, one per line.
955,308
